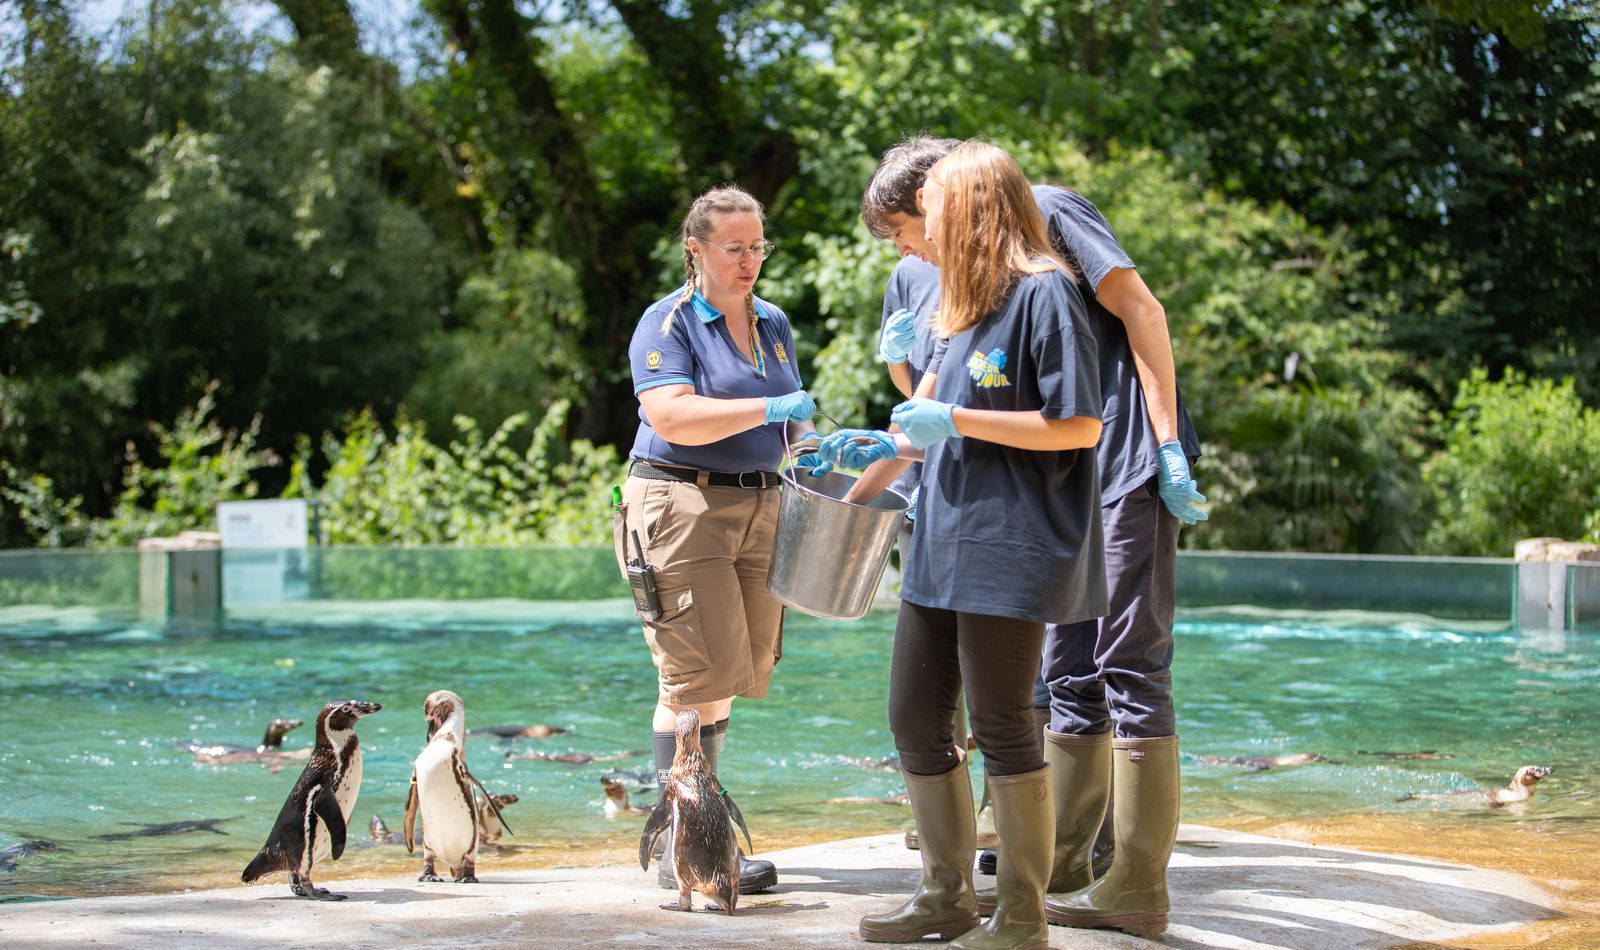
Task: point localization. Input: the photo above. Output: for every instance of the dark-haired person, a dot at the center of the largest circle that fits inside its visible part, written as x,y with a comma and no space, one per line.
713,367
1107,683
1007,539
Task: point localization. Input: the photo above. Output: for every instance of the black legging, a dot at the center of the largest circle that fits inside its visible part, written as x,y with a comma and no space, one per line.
997,658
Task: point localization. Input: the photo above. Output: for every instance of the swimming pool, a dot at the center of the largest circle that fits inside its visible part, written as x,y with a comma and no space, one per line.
95,707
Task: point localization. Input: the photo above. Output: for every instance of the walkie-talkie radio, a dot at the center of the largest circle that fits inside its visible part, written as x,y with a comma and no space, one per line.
642,578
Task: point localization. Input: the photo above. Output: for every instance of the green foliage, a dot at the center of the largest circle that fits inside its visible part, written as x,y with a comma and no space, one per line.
1343,208
516,347
1520,460
400,488
201,464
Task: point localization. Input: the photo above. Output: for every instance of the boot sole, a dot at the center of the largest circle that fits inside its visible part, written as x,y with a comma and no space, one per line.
948,930
1139,925
752,885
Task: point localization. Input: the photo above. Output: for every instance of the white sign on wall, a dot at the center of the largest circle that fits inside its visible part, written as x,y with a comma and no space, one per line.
264,551
263,524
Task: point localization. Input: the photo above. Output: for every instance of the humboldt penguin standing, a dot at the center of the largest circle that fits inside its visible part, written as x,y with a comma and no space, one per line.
313,821
703,848
442,791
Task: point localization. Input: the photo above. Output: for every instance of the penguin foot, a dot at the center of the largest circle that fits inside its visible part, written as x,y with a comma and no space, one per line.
467,879
681,903
430,877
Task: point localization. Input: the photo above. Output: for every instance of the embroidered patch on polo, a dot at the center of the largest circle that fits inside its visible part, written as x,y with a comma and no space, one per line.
986,370
652,359
777,348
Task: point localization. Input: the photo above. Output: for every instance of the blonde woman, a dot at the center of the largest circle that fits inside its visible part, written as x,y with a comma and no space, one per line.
1007,539
715,373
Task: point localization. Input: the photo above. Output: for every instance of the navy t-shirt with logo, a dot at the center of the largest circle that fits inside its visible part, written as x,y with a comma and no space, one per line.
1128,457
697,350
1004,531
914,286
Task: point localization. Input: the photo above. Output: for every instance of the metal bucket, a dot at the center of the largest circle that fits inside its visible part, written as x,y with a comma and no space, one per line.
830,555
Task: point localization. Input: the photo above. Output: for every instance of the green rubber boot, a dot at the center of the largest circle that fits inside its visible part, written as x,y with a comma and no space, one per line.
1132,897
1025,816
1080,780
944,904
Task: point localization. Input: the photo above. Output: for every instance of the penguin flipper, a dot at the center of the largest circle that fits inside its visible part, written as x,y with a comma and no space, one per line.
326,807
410,820
660,820
499,816
738,818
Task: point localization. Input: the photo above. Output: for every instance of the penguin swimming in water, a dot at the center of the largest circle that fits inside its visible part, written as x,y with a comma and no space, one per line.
1520,790
442,792
314,819
9,856
271,741
703,847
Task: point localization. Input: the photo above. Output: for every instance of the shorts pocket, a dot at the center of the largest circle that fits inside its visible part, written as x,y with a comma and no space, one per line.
677,642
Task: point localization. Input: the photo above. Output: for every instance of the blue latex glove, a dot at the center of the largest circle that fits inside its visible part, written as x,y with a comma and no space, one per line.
925,421
897,337
797,406
916,499
811,463
841,448
1178,491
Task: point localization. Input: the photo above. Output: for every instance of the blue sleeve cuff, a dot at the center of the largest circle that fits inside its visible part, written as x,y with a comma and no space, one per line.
663,381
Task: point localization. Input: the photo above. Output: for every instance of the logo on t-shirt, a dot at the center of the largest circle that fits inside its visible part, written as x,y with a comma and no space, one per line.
985,370
777,348
652,359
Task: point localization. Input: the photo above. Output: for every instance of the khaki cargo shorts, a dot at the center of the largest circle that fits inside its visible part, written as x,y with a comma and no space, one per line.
721,630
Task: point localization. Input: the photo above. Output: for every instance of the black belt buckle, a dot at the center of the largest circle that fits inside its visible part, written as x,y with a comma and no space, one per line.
760,477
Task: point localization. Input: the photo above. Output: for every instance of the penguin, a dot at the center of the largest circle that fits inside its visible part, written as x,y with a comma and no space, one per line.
442,792
1260,763
168,828
617,799
489,807
314,819
271,741
488,822
1520,790
703,847
9,856
519,732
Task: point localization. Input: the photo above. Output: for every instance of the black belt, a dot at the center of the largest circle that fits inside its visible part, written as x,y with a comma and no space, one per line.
672,473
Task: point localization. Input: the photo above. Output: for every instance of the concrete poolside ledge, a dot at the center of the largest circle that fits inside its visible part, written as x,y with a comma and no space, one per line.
1229,889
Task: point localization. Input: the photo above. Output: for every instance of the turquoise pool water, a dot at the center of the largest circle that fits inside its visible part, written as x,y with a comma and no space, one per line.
94,708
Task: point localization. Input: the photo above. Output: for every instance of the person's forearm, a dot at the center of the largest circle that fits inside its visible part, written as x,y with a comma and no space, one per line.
1152,359
1026,429
900,374
877,477
690,419
1124,294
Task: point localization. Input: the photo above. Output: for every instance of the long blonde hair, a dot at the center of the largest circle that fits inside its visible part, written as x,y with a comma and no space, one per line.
698,224
990,234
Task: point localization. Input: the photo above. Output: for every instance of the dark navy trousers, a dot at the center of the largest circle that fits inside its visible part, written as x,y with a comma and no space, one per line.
1116,672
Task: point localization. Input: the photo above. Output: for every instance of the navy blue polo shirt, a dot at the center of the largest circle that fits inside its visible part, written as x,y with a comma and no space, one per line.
1128,458
690,345
914,286
1014,532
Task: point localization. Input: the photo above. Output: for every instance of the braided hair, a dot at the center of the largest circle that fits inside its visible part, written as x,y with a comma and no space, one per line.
698,224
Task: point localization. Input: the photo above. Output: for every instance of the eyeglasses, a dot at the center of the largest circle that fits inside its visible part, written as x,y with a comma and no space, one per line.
733,252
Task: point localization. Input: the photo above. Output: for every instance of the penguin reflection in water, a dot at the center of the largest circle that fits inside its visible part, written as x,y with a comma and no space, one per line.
442,791
314,819
698,819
